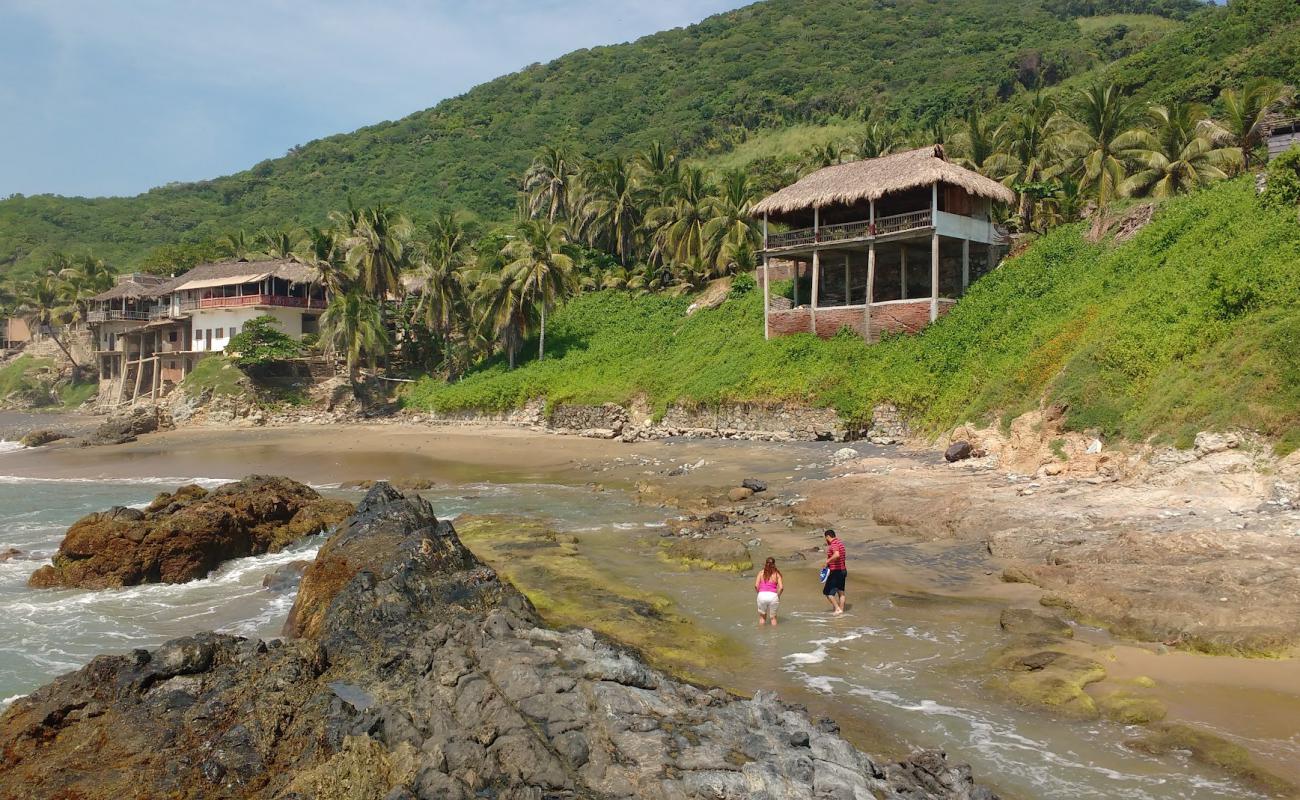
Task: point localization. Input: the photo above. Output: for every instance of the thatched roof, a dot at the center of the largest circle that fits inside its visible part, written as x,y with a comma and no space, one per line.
227,272
132,287
873,178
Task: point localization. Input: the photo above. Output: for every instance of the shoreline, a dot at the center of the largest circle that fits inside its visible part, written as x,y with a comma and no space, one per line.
887,498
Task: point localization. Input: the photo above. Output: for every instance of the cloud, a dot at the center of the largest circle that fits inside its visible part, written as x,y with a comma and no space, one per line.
117,97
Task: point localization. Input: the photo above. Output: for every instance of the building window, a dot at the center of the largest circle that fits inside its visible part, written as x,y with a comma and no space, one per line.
198,334
221,333
171,336
171,365
233,331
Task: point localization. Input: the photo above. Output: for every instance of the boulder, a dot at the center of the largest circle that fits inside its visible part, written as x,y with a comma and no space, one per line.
285,578
957,451
41,436
184,535
716,552
754,485
739,494
414,670
126,427
844,454
1034,623
9,552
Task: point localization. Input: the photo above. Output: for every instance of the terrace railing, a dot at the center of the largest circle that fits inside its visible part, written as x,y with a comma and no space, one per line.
253,300
851,231
109,314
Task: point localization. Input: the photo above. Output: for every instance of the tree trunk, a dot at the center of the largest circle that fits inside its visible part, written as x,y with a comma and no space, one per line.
76,368
541,339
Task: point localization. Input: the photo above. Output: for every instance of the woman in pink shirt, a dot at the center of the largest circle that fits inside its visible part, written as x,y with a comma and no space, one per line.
769,586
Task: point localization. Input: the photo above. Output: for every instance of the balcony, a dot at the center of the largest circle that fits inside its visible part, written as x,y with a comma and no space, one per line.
252,300
851,231
112,314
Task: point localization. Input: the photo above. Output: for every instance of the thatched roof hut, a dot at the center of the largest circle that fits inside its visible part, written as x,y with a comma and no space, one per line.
132,287
873,178
224,273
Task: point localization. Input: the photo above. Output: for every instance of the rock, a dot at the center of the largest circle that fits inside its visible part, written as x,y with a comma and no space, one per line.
845,454
754,485
41,436
286,577
403,484
718,552
1094,447
739,494
415,671
1129,709
1207,443
957,451
1055,468
1049,679
8,553
1034,623
184,535
126,427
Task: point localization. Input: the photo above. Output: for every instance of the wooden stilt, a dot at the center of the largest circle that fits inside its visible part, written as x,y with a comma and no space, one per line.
902,270
871,287
816,268
965,265
767,334
934,253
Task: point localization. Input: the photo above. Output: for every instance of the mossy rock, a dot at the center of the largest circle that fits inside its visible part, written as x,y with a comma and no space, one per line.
1028,621
1145,682
1131,709
1211,750
718,552
568,590
1048,679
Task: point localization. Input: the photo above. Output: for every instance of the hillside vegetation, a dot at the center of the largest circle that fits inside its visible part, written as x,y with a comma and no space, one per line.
1194,323
704,89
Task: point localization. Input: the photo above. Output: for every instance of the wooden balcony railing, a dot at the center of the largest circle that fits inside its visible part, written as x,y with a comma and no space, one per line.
850,231
253,300
109,314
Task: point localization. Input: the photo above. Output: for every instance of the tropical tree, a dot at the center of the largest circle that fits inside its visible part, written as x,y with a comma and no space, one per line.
541,271
678,227
1245,115
977,142
731,227
1176,155
880,138
353,324
504,312
374,243
236,245
659,172
615,207
1098,141
321,248
280,244
826,154
81,278
45,307
1027,155
548,182
442,294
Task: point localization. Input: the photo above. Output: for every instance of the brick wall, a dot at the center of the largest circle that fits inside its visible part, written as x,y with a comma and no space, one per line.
908,317
779,268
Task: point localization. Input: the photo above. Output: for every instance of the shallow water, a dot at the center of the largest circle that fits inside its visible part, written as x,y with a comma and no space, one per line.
898,663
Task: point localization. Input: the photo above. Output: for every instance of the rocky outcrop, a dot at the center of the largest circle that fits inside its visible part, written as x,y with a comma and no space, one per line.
126,427
184,535
41,436
419,673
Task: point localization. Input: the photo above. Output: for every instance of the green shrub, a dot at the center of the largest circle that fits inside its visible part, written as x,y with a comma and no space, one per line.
261,343
742,284
1284,180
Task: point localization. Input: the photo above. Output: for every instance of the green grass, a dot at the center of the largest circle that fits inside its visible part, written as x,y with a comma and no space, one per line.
73,395
17,376
217,374
780,143
1192,324
1133,22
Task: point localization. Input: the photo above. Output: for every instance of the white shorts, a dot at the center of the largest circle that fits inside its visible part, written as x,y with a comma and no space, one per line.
767,602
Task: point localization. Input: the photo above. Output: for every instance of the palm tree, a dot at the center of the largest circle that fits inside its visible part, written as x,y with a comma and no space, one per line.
679,226
977,141
1175,156
235,244
354,324
375,248
503,310
1098,141
322,248
879,139
541,271
280,244
731,225
660,173
822,155
443,294
548,182
1027,156
45,307
1245,115
616,207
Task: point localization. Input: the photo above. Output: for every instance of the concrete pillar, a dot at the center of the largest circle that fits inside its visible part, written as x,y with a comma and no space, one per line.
871,287
965,265
766,282
902,270
816,268
934,253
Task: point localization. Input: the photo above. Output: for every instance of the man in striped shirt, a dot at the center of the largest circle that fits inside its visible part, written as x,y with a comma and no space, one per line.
833,589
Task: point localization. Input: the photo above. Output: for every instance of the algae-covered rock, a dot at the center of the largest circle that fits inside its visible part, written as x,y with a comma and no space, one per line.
42,436
1030,622
1131,709
713,552
1048,679
184,535
1213,751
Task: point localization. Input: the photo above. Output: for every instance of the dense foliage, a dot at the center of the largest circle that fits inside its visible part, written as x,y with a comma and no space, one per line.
1194,323
261,343
705,89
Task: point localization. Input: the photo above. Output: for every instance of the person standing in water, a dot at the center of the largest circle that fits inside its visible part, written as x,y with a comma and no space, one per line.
833,589
769,585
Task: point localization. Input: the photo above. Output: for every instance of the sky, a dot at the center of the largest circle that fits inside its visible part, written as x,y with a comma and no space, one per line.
113,97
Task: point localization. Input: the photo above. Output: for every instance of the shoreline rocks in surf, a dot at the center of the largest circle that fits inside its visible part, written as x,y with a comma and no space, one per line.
418,672
186,534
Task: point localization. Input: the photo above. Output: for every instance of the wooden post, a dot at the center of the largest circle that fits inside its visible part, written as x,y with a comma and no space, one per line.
139,371
848,284
902,270
965,265
871,269
794,268
816,268
766,281
934,252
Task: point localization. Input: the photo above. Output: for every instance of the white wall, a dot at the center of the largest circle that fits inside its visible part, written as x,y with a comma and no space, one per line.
960,227
205,319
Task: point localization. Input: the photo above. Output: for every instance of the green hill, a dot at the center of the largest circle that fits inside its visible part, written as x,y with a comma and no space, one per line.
706,88
1192,324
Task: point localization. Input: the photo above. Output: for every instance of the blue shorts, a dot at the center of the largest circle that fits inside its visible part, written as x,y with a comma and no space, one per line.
834,582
